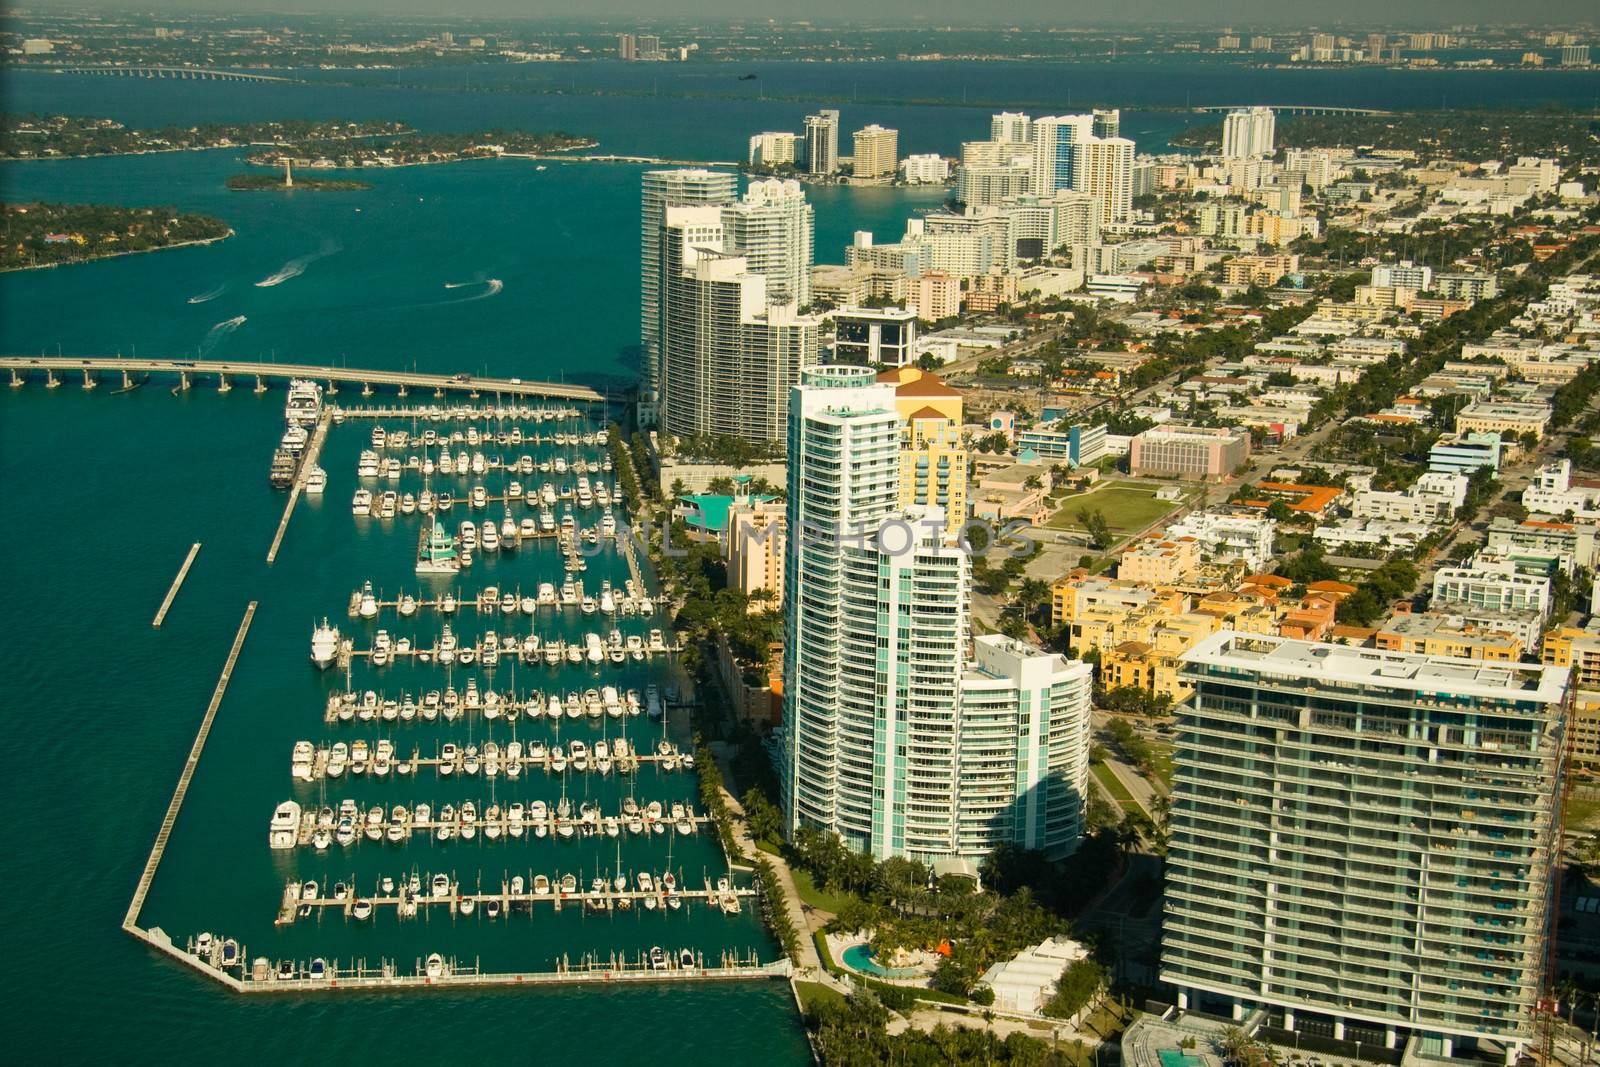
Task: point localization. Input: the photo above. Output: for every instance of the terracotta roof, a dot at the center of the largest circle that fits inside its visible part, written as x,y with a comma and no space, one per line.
927,385
1331,587
927,413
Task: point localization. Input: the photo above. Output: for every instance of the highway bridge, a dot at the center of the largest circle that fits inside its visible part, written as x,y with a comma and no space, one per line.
52,368
1297,109
187,73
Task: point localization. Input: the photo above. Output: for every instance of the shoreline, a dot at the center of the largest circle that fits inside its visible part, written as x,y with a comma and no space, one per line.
198,241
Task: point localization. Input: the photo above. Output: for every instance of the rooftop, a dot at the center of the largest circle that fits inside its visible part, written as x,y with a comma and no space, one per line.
1287,659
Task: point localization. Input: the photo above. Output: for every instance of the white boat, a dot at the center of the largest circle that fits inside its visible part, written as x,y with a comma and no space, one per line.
324,645
361,503
316,481
285,825
435,966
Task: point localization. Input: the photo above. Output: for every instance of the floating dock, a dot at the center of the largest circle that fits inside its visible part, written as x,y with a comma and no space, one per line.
159,849
177,583
308,463
296,904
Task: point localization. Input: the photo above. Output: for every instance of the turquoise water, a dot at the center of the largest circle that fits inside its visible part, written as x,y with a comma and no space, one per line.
1173,1057
860,958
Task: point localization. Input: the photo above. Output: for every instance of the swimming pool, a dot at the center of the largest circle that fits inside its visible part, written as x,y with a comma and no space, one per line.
1176,1057
858,957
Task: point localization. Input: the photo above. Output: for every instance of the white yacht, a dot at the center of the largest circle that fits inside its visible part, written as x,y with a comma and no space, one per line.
324,645
361,503
316,481
285,825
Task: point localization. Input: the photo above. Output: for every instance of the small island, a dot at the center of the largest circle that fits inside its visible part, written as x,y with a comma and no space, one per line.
252,182
48,235
72,136
412,149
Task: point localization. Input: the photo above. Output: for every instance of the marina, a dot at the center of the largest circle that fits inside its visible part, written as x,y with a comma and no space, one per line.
532,697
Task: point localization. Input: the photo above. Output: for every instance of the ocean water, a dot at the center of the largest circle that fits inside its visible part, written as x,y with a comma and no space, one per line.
104,493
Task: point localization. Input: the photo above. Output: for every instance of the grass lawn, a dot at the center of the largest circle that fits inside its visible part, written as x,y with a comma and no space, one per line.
1161,761
1116,788
823,899
1127,508
815,993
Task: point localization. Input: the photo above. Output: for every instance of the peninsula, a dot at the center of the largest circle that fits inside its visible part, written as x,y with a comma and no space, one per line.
67,136
412,148
48,235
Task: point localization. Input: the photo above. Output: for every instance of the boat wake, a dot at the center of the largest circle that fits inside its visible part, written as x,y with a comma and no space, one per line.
297,266
210,294
491,286
218,333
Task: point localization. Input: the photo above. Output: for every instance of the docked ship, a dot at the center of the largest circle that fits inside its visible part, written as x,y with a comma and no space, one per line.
304,404
284,465
436,550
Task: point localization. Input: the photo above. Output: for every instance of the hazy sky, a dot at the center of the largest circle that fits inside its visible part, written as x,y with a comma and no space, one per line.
1289,13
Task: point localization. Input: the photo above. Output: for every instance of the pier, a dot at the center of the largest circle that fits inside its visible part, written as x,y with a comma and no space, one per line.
308,463
186,370
177,583
157,850
726,899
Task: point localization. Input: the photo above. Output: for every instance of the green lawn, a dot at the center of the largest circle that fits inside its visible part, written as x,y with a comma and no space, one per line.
1127,508
1116,788
1161,761
823,899
815,993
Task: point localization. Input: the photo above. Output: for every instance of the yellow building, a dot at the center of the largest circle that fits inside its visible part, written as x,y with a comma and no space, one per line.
1437,635
1159,562
1147,650
1579,651
1079,594
877,152
933,459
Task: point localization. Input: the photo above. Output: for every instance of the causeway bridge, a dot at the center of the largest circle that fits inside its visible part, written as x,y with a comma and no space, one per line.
187,371
186,73
1297,109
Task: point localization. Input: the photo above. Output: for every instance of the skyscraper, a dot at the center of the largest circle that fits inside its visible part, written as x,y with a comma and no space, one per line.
1362,841
659,190
876,152
1105,171
627,47
1107,122
822,142
728,356
1248,133
1054,151
894,738
1011,127
772,227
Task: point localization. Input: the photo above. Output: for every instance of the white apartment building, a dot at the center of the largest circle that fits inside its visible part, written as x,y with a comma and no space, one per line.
1434,498
1361,842
1552,492
1223,538
822,142
1248,133
728,356
1055,154
1402,275
1491,583
775,149
659,190
1011,127
896,737
926,169
773,227
1107,175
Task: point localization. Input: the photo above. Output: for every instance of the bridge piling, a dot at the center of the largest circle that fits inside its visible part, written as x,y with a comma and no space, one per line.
16,378
261,385
50,379
332,389
127,380
222,384
183,380
88,380
366,388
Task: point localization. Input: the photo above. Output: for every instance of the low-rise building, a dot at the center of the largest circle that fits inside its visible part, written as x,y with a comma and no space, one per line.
1465,453
1504,418
1433,498
1188,452
1077,446
1573,543
1371,533
1554,491
1159,560
1225,537
1435,634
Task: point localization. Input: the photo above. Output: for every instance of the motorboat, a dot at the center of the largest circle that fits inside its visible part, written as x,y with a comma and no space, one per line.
285,825
324,645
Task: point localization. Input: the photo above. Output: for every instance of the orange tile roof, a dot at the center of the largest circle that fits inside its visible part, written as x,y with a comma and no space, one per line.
927,385
1331,587
1313,498
927,413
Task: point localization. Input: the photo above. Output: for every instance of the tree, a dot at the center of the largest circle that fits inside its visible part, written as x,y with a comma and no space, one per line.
1095,524
762,816
1278,511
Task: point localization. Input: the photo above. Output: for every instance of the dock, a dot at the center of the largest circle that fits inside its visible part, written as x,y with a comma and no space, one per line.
468,766
159,849
308,463
177,583
727,899
262,975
